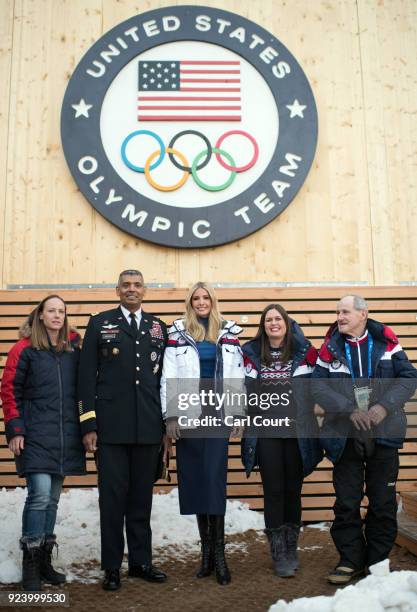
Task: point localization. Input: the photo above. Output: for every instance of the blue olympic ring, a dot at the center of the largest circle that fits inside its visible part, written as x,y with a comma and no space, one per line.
138,133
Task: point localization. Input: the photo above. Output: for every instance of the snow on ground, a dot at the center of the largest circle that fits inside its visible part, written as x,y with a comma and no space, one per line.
78,534
382,590
320,526
78,531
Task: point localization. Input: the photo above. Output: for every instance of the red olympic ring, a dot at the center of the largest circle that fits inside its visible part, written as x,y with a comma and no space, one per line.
238,168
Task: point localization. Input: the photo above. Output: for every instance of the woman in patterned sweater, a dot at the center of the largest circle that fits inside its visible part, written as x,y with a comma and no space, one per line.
273,358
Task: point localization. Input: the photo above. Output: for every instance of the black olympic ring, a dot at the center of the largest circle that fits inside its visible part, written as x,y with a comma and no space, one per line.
188,168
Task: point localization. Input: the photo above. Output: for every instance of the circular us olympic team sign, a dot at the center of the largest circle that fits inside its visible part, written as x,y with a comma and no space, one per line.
189,126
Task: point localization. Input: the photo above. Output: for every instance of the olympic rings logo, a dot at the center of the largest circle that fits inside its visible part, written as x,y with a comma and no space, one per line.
200,161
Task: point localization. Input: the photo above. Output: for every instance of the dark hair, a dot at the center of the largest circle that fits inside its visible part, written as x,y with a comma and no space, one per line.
39,336
261,336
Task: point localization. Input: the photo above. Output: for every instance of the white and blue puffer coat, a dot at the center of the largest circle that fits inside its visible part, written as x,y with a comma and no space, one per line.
181,369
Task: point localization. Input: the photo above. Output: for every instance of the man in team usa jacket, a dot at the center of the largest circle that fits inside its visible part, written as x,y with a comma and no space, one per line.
362,380
121,421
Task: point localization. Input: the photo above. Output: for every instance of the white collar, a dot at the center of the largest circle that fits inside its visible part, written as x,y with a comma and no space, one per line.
359,338
126,313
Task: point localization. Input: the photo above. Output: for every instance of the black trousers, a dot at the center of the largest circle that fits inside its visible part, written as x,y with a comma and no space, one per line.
357,547
281,470
126,474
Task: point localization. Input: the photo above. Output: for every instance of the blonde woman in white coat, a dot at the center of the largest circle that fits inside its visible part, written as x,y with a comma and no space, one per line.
203,354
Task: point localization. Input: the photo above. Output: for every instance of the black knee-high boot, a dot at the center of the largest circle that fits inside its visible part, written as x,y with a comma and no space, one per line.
217,531
207,556
48,573
31,571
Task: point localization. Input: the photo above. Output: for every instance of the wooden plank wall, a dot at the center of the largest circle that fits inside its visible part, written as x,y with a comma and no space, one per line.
313,308
354,218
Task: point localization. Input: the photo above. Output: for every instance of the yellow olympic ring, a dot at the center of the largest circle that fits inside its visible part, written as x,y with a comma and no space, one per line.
169,187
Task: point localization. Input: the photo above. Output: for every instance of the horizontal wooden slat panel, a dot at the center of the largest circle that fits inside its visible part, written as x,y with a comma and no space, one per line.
392,293
312,307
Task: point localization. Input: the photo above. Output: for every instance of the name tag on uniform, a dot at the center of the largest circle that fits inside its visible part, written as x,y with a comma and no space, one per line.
109,332
109,336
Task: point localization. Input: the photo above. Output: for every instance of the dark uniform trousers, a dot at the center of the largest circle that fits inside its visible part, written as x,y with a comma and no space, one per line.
359,548
125,490
119,397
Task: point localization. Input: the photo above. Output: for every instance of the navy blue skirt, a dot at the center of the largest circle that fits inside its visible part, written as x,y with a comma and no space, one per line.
202,475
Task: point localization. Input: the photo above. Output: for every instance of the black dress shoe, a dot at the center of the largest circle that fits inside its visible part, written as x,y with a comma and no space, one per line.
111,580
147,572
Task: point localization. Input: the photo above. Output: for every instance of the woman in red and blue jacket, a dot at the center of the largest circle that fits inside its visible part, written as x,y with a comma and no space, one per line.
38,393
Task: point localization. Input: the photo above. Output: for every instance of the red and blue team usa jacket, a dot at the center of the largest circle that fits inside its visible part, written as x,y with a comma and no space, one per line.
182,364
393,382
38,392
304,357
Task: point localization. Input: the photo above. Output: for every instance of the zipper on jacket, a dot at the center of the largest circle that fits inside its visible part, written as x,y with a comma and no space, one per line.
61,412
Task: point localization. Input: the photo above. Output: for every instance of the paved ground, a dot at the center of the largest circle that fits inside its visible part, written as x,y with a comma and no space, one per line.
254,586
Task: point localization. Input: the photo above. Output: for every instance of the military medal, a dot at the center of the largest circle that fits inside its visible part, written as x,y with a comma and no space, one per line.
115,351
153,356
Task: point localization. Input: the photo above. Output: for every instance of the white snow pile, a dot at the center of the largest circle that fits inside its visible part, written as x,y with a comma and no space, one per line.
78,531
320,526
381,590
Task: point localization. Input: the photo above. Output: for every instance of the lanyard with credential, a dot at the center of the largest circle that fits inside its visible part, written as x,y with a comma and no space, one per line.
349,357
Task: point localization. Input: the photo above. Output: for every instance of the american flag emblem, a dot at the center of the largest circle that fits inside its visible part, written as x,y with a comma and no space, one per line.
189,91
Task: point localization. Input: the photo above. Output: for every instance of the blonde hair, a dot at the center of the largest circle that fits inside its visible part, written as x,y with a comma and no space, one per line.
215,319
39,338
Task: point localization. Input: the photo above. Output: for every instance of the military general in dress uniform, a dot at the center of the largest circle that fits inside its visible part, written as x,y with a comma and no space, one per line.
121,421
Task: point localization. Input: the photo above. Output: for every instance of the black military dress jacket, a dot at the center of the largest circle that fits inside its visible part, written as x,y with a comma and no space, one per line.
119,379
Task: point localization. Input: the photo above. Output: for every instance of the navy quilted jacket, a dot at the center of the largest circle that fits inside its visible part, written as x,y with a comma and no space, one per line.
38,393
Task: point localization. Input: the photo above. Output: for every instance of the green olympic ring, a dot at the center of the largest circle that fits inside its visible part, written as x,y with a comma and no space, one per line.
205,186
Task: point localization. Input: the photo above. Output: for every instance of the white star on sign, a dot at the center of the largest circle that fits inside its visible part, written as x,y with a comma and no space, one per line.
81,109
296,109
